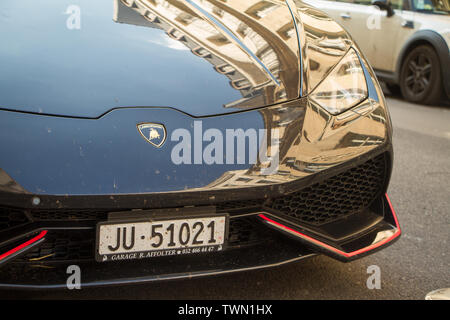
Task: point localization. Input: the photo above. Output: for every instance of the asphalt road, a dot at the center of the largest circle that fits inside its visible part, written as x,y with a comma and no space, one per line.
415,265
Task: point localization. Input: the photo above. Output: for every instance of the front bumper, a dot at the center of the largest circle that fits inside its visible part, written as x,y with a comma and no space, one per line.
262,233
274,251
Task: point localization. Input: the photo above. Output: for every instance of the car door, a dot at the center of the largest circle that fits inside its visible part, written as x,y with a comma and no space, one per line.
384,34
350,15
375,33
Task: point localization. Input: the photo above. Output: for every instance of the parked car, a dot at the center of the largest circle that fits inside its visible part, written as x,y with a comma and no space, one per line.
184,138
406,41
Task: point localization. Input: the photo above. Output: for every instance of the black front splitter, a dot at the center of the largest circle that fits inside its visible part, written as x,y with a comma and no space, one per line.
54,275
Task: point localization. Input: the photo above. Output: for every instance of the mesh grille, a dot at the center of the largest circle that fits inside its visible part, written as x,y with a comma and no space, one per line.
69,214
64,245
336,197
238,205
11,217
246,231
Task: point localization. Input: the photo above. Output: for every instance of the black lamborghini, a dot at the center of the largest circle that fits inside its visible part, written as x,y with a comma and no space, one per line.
144,140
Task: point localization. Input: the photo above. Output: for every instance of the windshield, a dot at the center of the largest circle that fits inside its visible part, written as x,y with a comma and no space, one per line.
432,6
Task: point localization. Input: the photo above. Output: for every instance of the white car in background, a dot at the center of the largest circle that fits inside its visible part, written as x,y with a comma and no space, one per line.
406,41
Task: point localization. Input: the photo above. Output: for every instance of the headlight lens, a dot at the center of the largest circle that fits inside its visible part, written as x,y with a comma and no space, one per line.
344,87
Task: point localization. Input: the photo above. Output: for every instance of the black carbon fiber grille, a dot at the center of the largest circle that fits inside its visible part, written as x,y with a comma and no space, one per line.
247,231
69,214
11,218
336,197
64,245
239,205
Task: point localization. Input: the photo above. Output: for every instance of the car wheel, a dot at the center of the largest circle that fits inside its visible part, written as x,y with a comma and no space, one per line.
394,89
420,77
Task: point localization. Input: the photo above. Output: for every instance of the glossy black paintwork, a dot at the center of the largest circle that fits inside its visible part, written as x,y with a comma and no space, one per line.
203,196
47,68
52,155
69,156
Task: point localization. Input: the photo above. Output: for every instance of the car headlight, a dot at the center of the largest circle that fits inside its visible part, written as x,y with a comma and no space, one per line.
344,87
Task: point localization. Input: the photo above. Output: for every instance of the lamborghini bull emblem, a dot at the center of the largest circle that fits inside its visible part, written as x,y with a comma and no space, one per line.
154,133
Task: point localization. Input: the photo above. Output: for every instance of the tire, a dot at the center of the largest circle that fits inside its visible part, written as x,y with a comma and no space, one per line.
420,76
394,89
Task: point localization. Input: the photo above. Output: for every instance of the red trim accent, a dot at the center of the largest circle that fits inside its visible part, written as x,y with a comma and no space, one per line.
340,252
24,245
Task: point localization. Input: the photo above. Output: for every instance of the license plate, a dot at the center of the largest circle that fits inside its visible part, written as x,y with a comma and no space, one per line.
127,240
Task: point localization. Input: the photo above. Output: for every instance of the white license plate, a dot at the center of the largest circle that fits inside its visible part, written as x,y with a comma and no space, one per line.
127,240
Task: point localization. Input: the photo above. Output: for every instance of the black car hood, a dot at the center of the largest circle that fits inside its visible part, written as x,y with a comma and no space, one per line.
87,72
200,57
